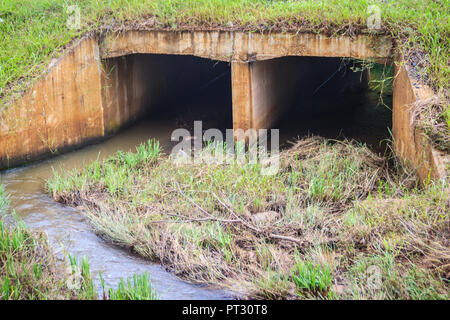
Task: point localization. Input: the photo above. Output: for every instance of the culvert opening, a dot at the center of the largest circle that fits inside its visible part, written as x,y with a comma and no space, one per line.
332,97
175,90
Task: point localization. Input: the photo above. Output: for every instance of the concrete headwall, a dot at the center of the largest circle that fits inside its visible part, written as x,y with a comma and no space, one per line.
61,111
245,46
93,90
411,143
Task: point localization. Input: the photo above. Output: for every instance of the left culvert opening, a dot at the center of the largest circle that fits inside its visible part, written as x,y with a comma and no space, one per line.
173,90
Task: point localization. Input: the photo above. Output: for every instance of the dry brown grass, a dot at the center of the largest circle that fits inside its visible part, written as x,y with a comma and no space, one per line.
429,115
312,230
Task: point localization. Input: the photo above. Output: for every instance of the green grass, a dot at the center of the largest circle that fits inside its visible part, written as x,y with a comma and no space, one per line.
312,278
34,31
4,201
82,270
380,276
139,287
331,211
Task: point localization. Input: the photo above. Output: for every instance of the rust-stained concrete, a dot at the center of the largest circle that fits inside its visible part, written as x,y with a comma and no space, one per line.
125,90
241,95
62,110
245,46
82,98
411,143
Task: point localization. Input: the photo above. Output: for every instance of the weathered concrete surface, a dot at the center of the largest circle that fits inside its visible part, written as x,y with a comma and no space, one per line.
62,110
241,95
245,46
126,91
410,143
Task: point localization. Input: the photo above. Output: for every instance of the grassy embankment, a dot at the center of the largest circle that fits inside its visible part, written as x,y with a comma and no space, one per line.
30,271
334,222
32,32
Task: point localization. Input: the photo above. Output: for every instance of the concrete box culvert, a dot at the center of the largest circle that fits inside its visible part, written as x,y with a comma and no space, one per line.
69,106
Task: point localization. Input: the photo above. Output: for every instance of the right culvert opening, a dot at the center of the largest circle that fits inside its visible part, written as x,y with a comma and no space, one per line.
336,98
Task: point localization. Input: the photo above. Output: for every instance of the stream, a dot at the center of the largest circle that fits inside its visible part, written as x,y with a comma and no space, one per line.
68,230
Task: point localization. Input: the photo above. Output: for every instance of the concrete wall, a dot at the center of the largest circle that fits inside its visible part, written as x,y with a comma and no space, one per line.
410,143
62,110
130,86
135,84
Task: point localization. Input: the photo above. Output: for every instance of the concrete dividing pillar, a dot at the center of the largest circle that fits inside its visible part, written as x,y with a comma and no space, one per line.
276,87
261,92
241,87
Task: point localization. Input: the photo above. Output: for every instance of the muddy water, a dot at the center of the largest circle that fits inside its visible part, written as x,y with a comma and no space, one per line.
69,232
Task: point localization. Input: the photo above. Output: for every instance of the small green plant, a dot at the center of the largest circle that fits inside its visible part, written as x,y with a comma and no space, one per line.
312,278
4,201
273,285
81,278
145,153
138,288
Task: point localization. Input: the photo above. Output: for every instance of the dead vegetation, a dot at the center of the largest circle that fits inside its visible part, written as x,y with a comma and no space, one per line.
335,221
429,115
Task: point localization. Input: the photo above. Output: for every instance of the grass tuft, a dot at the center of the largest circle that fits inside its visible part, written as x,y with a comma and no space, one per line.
139,287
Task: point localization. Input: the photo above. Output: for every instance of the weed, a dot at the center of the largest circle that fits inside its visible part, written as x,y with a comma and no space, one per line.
139,287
